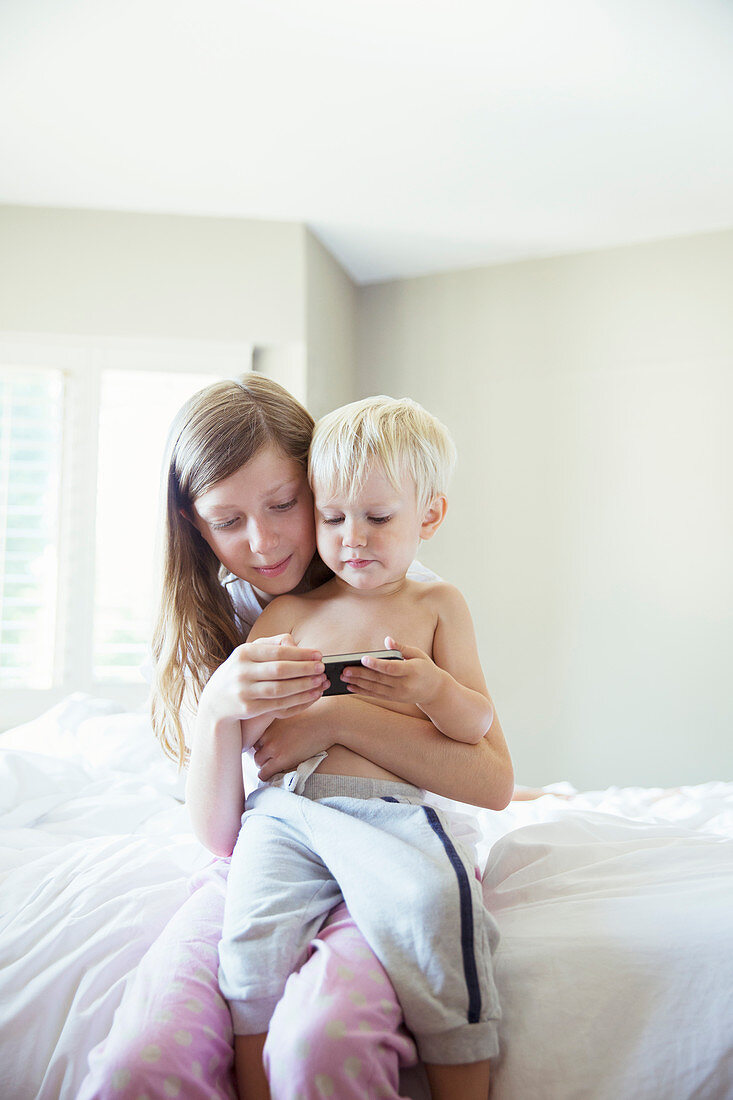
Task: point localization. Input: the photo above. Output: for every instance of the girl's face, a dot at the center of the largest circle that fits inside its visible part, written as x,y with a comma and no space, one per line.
259,521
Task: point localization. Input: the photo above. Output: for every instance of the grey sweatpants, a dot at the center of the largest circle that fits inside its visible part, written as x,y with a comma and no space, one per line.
410,888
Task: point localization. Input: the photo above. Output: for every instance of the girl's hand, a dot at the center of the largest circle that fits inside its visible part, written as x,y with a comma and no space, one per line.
415,680
286,743
266,677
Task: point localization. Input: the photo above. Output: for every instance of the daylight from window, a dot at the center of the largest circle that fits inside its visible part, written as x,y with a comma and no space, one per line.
31,402
136,409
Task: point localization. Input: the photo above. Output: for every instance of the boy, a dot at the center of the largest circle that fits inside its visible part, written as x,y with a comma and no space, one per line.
379,470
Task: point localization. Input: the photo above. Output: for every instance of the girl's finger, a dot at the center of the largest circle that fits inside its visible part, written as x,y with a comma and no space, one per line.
268,769
294,704
259,652
279,690
282,670
292,710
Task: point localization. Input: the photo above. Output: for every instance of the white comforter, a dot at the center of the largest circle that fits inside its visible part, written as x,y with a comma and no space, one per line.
615,968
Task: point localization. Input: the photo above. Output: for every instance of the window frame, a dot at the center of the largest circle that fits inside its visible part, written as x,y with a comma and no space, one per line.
82,361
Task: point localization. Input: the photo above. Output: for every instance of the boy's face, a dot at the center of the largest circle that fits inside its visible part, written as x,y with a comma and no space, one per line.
371,539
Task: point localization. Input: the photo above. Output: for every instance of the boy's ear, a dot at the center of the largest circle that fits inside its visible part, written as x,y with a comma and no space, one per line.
433,516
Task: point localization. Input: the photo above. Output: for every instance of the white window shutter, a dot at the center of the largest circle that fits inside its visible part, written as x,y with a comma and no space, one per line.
31,417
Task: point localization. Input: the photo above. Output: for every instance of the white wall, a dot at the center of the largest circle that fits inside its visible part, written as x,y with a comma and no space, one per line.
96,273
591,518
331,306
205,290
99,273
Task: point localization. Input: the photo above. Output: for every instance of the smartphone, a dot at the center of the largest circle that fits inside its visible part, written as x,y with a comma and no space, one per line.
335,664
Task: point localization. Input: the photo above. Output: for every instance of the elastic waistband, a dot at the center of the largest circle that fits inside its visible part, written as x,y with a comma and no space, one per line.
320,785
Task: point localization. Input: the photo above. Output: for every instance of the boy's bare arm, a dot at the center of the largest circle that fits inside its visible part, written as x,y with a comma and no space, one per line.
449,687
461,707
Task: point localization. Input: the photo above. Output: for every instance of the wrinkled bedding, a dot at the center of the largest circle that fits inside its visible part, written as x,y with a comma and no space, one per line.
615,967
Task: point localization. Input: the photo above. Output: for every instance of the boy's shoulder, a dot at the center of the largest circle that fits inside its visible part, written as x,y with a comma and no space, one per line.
324,591
437,591
425,581
289,599
281,608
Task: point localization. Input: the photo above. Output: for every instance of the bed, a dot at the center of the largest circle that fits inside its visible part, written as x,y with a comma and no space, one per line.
615,968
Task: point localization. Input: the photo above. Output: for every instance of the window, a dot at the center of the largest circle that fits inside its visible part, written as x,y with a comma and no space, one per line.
135,408
31,403
83,426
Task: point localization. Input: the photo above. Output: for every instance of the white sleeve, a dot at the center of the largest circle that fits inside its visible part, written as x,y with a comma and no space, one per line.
247,608
420,572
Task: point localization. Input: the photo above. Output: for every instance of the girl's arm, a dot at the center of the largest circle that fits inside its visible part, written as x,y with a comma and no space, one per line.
214,785
412,748
270,676
480,774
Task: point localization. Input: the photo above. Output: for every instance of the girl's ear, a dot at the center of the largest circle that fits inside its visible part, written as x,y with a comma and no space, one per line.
433,516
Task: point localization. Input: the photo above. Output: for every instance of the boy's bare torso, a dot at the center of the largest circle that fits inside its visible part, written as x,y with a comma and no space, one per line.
337,620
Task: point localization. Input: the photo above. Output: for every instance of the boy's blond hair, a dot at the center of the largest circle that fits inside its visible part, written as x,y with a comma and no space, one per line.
399,434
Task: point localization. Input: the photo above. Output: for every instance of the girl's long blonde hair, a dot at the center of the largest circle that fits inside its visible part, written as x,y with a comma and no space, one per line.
215,433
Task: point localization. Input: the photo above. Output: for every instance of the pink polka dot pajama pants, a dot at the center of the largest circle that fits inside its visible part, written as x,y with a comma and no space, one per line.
337,1032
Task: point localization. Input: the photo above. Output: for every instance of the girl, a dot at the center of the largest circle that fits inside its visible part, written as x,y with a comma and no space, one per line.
239,530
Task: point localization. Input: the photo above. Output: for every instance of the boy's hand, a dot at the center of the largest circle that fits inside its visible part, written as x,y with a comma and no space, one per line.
415,680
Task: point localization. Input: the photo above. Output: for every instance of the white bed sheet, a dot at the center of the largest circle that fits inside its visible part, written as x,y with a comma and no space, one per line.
615,967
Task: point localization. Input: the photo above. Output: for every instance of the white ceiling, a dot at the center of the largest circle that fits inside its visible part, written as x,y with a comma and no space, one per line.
411,135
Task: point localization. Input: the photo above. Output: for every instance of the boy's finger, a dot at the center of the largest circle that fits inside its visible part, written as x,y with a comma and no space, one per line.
369,682
374,690
356,675
407,651
384,666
